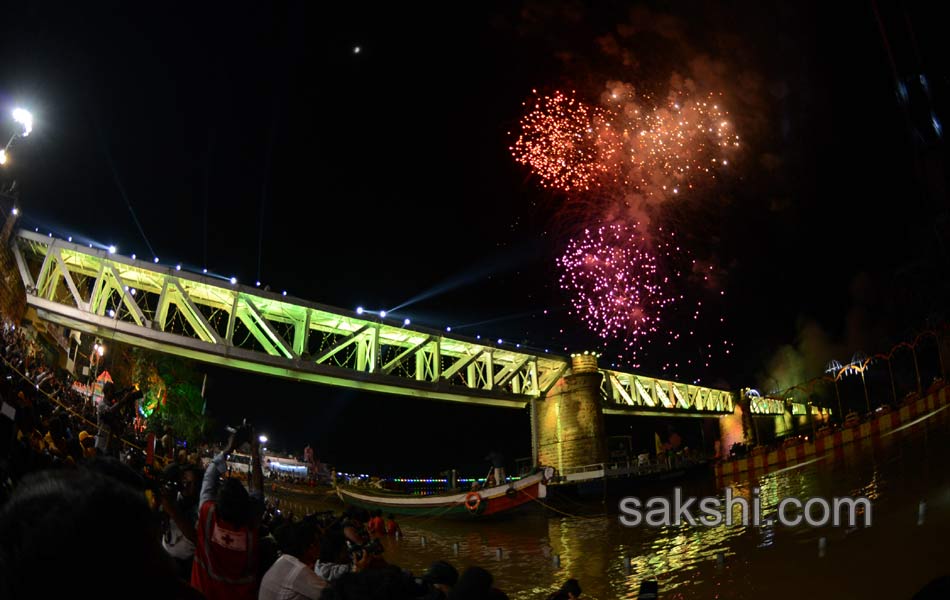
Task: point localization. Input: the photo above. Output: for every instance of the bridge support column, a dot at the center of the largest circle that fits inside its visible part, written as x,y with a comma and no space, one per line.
735,428
569,420
12,292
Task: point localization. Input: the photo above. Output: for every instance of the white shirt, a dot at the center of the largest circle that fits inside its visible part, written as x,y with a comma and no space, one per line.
290,579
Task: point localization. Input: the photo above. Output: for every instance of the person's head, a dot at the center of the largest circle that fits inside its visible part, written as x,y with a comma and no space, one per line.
86,439
333,548
57,429
51,514
571,589
392,517
108,392
298,540
190,480
233,503
475,583
441,575
385,583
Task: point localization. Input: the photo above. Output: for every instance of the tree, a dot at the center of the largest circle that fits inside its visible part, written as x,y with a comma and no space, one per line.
172,394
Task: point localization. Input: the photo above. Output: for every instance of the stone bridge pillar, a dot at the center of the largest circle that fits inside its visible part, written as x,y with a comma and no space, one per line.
12,292
568,420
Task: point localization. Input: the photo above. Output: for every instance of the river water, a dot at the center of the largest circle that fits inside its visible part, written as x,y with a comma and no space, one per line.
893,558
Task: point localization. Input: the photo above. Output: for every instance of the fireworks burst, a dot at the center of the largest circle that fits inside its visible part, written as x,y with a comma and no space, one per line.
560,141
659,150
630,281
615,283
626,285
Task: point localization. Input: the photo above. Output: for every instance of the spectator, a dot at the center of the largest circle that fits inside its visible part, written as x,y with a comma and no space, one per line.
376,526
180,503
392,527
110,418
497,460
440,577
53,513
475,584
571,590
290,578
227,551
334,561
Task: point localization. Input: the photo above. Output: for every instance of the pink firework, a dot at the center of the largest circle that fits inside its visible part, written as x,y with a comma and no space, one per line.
615,282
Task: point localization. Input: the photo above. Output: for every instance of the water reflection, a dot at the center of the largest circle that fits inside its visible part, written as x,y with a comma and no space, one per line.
771,561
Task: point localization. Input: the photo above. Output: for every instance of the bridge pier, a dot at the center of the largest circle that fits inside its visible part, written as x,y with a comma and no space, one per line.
569,422
12,292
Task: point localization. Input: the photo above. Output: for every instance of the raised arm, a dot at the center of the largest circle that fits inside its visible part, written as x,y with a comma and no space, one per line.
217,467
256,482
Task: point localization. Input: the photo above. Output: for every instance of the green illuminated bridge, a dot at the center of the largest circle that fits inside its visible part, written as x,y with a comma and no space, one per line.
207,319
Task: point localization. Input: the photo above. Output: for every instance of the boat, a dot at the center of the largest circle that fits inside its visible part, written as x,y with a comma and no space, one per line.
622,478
474,504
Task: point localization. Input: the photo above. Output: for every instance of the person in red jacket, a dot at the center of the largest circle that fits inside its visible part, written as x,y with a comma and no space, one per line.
227,551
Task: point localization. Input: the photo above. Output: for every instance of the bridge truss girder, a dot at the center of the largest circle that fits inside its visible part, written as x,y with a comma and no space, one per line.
626,393
200,317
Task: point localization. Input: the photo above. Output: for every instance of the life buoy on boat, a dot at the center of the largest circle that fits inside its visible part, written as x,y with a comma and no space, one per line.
473,502
511,492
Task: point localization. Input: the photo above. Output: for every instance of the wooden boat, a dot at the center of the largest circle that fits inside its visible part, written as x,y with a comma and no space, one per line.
474,504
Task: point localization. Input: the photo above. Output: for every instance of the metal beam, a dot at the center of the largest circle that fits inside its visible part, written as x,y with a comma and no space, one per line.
302,333
510,371
329,352
388,367
259,335
128,299
194,316
275,337
21,265
460,364
58,255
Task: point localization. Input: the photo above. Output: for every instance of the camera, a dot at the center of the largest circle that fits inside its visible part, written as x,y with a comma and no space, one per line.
133,394
373,547
242,434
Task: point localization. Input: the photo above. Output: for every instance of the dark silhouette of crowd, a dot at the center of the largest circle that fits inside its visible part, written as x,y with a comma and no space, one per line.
84,506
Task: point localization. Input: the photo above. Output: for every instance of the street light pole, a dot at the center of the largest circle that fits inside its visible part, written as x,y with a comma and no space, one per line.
867,399
913,350
838,396
890,371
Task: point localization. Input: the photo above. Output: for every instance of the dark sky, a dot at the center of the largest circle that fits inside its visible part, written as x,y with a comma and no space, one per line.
376,176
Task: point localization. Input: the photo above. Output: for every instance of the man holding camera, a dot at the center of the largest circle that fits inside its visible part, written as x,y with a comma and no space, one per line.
227,550
109,412
180,503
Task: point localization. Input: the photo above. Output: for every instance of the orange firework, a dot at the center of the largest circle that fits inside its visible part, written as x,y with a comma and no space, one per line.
660,150
561,140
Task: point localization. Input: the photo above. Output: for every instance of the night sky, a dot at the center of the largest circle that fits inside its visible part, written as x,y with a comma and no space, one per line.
254,140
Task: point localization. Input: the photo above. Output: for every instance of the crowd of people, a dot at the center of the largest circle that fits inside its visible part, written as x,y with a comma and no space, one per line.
84,506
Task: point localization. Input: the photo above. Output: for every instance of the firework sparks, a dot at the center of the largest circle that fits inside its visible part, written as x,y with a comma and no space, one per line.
630,281
615,284
660,150
562,143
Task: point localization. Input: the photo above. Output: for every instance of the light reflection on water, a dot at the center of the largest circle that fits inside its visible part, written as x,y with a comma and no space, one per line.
893,558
